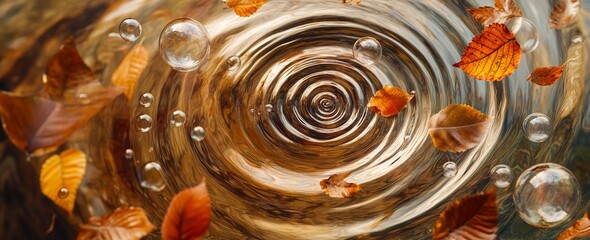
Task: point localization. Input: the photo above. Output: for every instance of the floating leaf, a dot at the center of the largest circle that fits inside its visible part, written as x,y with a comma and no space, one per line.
492,55
130,69
472,217
245,8
130,223
389,101
563,12
546,76
357,2
458,127
581,228
60,177
188,215
504,10
336,187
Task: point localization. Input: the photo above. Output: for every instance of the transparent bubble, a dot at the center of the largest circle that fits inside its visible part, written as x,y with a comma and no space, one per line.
577,39
501,175
450,169
178,118
546,195
527,36
268,107
252,110
152,177
407,138
233,63
130,30
63,193
143,123
146,99
83,98
128,154
367,50
198,133
413,92
184,44
537,127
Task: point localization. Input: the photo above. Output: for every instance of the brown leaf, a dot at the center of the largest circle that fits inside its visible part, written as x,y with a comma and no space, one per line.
492,55
472,217
545,76
245,8
581,228
563,12
458,127
188,215
504,10
336,187
389,101
128,72
130,223
357,2
64,171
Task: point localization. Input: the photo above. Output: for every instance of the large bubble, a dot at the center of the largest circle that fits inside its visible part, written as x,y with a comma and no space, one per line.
184,44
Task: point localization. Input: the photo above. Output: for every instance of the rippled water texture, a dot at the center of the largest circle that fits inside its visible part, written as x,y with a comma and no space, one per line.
263,163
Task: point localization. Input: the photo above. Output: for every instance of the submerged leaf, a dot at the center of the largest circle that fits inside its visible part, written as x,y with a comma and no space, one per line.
130,69
124,223
581,228
545,76
458,127
563,12
336,187
472,217
60,177
188,215
245,8
492,55
389,101
504,10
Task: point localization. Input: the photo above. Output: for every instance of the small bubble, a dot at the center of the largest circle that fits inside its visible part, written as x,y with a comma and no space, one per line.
128,154
367,50
537,127
198,133
83,98
184,44
407,138
501,175
450,169
577,39
413,92
178,118
130,30
152,177
252,110
268,107
233,63
527,36
143,123
63,193
146,99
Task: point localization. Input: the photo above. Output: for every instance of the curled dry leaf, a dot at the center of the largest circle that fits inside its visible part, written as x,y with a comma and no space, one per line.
581,228
492,55
124,223
389,101
472,217
563,12
545,76
245,8
458,127
128,72
336,187
503,10
188,215
63,171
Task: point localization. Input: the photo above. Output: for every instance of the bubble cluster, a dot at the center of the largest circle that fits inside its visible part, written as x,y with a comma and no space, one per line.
178,118
63,193
367,50
537,127
152,177
143,123
184,44
233,63
130,30
146,100
450,169
198,133
501,175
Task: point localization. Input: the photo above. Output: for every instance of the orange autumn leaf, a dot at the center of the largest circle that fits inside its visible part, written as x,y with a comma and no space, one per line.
245,8
128,72
458,127
188,215
581,228
129,223
492,55
563,12
389,101
545,76
472,217
60,177
503,10
336,187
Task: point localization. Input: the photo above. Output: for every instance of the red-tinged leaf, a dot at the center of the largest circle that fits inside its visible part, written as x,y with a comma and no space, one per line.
188,215
245,8
545,76
563,12
336,187
581,228
503,10
458,127
389,101
129,223
473,217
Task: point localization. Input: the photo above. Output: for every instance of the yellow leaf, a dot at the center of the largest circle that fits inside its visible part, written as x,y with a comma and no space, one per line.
130,69
60,177
245,8
129,223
